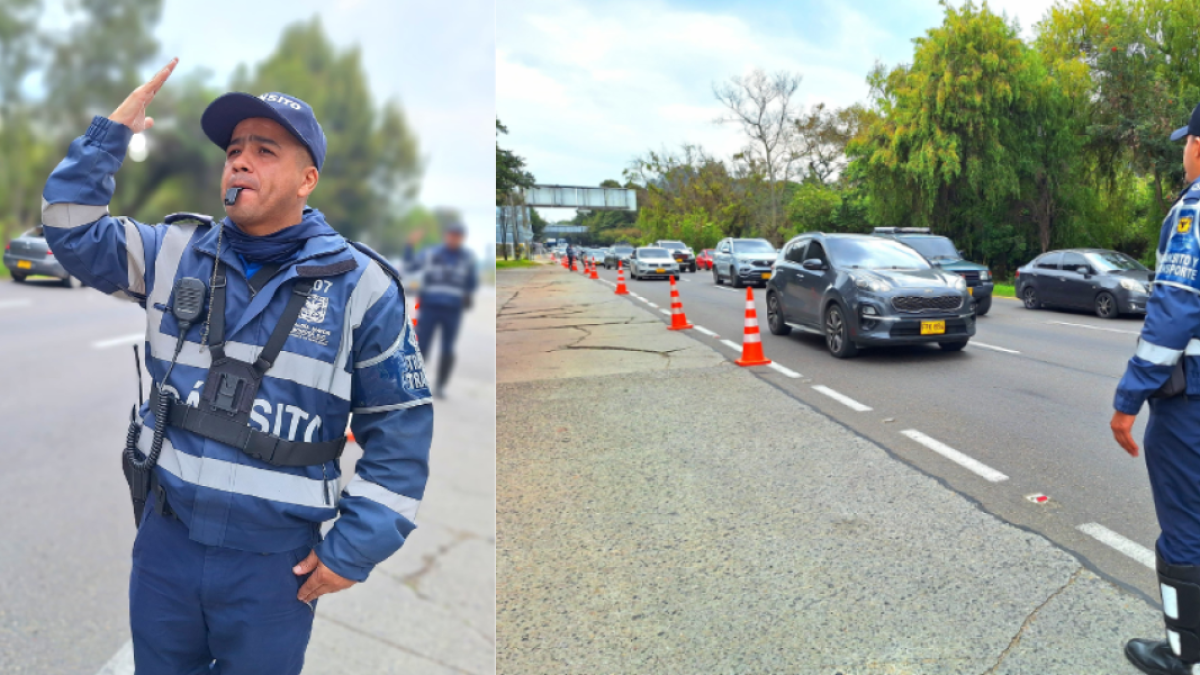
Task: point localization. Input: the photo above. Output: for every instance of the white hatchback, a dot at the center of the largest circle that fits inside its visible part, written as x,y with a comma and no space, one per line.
652,261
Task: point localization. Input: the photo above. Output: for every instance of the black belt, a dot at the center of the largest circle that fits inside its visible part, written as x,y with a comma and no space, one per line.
262,446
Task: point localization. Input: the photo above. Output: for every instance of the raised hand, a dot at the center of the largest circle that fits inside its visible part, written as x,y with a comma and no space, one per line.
132,112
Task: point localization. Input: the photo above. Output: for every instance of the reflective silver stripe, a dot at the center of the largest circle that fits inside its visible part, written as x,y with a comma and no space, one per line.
442,288
394,406
166,264
405,506
135,256
1177,285
389,351
242,479
1159,356
71,215
1193,348
371,286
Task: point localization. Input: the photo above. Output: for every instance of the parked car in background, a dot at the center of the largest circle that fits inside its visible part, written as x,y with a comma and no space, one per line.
743,261
681,252
652,261
858,290
618,253
29,255
704,259
1106,282
942,252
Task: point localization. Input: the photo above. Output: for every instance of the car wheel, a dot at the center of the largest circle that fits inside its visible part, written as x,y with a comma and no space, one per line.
19,278
734,279
716,275
983,306
952,346
837,334
1106,306
71,282
775,316
1030,298
693,268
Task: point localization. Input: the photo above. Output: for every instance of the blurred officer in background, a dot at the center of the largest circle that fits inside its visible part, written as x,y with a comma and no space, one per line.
265,331
448,282
1165,371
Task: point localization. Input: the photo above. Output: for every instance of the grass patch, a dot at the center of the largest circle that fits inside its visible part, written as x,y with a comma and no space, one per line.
1004,290
507,264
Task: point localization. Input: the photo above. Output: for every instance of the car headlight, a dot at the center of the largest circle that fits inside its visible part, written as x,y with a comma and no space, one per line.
1135,286
868,310
872,284
957,283
985,275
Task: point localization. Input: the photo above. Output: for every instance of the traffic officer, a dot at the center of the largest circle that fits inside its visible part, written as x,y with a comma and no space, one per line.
1168,352
253,388
448,283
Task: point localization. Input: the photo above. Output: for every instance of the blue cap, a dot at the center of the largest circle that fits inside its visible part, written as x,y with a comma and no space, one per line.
455,227
225,113
1192,129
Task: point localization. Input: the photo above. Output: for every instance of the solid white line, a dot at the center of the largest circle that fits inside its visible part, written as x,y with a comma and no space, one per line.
732,345
645,300
987,472
706,331
974,343
18,302
651,304
665,312
634,295
842,398
121,663
1130,548
132,338
786,371
1084,325
731,290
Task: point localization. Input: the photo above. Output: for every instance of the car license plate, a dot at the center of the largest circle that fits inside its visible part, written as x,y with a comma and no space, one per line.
970,291
766,275
24,264
933,327
660,270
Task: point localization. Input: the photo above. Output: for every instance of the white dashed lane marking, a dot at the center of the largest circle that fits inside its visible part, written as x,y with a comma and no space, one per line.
1129,547
987,472
132,338
842,398
121,663
706,331
1084,325
665,312
786,371
975,343
14,303
731,345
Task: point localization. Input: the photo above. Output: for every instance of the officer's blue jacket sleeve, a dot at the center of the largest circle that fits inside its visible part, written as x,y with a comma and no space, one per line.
114,255
393,422
1172,313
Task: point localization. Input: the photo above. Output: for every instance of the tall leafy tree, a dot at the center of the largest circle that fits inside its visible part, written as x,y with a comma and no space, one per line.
510,169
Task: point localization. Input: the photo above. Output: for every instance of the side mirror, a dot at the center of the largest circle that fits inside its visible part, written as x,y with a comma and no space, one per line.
814,265
1083,270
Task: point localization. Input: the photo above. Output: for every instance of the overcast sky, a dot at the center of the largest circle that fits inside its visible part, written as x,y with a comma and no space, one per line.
437,59
585,85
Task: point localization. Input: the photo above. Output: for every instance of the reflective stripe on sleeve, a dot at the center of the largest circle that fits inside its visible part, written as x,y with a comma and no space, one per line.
242,479
405,506
1193,348
1159,356
443,289
135,256
389,351
394,406
71,215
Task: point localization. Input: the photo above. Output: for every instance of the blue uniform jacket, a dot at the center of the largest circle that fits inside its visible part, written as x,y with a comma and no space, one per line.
352,351
447,277
1172,327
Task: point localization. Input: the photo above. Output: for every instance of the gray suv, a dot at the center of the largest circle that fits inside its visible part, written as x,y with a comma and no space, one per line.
743,261
858,290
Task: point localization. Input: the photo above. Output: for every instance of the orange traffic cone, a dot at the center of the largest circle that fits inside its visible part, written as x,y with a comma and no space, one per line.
350,436
678,318
752,353
621,290
594,275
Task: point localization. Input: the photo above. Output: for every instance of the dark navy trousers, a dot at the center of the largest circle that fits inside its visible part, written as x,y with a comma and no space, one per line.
434,320
213,610
1172,445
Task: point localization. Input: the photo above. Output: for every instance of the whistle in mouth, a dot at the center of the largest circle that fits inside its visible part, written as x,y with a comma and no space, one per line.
231,195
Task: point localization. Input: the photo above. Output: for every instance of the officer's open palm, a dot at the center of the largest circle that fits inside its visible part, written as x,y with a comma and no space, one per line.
132,112
322,581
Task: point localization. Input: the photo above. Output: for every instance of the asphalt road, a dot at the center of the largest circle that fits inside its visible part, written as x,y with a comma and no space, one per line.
1036,412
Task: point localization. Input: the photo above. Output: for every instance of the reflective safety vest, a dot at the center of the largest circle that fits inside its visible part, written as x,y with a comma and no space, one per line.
1171,330
447,277
352,350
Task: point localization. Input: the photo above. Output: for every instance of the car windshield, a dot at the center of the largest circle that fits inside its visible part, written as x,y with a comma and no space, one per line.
673,245
653,253
873,254
752,246
933,248
623,249
1112,261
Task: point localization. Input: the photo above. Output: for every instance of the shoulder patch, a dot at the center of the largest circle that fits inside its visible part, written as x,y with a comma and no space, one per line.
1180,263
184,216
330,270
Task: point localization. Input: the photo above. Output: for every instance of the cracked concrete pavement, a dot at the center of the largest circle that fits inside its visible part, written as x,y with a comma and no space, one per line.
430,608
665,511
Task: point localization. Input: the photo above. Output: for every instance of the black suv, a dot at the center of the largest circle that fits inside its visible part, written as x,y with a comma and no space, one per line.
858,290
681,252
941,251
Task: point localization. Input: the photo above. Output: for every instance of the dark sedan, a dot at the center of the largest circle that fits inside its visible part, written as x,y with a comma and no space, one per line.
618,254
858,290
1105,282
29,255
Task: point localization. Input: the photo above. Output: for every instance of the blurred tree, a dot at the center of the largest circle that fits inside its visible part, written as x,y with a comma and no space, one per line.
21,153
510,169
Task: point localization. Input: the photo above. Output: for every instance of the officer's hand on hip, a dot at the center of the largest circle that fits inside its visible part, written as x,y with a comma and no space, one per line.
322,581
132,113
1122,428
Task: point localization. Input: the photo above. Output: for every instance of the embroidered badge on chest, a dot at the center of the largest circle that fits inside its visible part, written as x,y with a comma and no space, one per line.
314,309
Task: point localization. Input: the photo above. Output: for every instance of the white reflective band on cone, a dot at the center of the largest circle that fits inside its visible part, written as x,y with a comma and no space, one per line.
1173,638
1170,601
752,337
750,323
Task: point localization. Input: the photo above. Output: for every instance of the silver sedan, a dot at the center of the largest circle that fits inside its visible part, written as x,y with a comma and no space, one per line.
652,261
